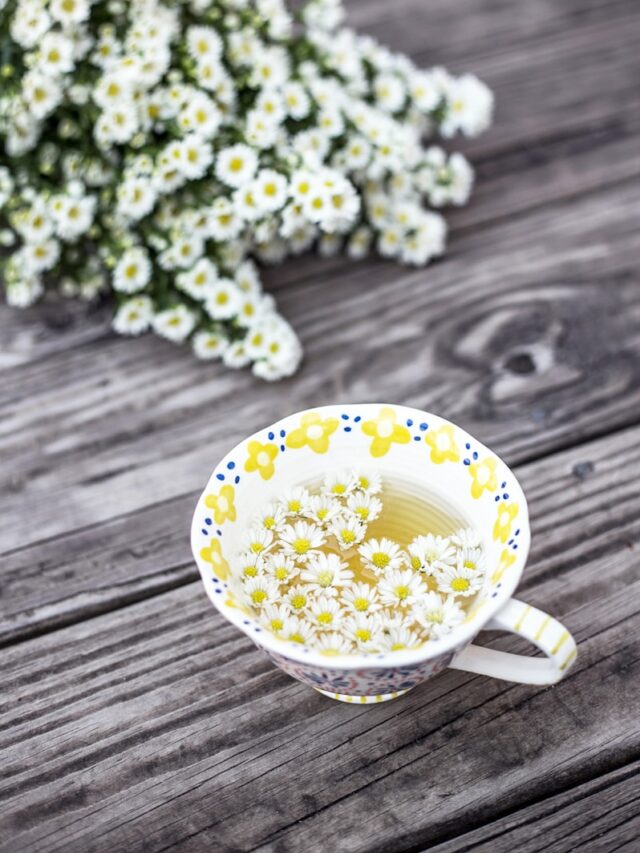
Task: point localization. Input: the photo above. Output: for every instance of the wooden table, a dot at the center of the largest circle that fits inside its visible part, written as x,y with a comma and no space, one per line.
134,718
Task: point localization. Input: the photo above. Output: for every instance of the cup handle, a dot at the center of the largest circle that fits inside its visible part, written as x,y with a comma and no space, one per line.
545,632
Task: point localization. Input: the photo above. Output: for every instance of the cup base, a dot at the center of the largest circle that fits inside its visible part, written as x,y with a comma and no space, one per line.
362,700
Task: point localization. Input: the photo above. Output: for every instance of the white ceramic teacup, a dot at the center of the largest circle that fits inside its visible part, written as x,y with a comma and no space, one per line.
424,453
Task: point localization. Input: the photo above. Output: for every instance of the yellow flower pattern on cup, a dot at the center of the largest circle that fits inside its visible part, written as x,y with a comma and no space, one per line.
385,430
213,554
222,504
443,444
506,514
314,431
261,458
484,476
507,559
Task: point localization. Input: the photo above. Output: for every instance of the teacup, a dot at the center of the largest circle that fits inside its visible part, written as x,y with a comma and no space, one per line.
422,451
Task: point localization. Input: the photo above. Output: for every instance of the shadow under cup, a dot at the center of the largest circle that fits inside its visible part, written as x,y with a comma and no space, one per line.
423,460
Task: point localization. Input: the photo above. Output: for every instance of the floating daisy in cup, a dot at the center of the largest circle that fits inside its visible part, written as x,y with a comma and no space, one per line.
331,566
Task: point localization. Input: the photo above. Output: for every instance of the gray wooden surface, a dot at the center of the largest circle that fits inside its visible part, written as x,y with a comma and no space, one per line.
132,717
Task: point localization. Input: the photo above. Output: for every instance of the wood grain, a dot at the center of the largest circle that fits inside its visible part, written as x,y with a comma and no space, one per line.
133,717
600,816
161,710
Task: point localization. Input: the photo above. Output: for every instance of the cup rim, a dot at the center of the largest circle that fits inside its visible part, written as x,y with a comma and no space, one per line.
453,642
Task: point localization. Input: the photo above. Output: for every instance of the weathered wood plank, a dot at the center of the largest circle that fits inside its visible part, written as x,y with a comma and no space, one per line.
159,721
600,816
506,337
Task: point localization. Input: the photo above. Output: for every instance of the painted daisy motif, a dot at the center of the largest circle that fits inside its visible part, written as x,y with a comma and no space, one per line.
438,614
381,555
456,580
302,539
401,588
326,573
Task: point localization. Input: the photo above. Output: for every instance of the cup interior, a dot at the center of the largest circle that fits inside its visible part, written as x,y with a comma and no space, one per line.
416,453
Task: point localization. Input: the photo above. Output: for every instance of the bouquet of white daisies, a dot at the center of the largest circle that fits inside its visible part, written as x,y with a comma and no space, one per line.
158,147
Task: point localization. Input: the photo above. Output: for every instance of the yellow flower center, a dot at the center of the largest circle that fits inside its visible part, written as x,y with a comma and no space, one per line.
339,489
361,604
269,522
380,560
236,164
362,512
396,647
415,563
460,584
298,601
347,536
281,573
401,592
294,506
325,618
250,571
363,634
258,596
276,625
301,546
256,547
325,578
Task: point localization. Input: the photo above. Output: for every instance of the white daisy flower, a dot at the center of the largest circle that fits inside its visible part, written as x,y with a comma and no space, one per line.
204,43
224,221
295,501
364,506
270,189
236,166
261,591
457,580
296,100
361,598
133,316
298,630
428,553
250,565
348,531
272,517
466,537
133,271
223,300
298,598
69,13
401,587
469,106
395,618
473,558
325,613
381,555
41,93
333,643
55,54
275,617
369,481
364,630
338,483
258,540
199,280
38,257
438,614
322,509
209,345
302,539
175,324
398,639
281,568
326,573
